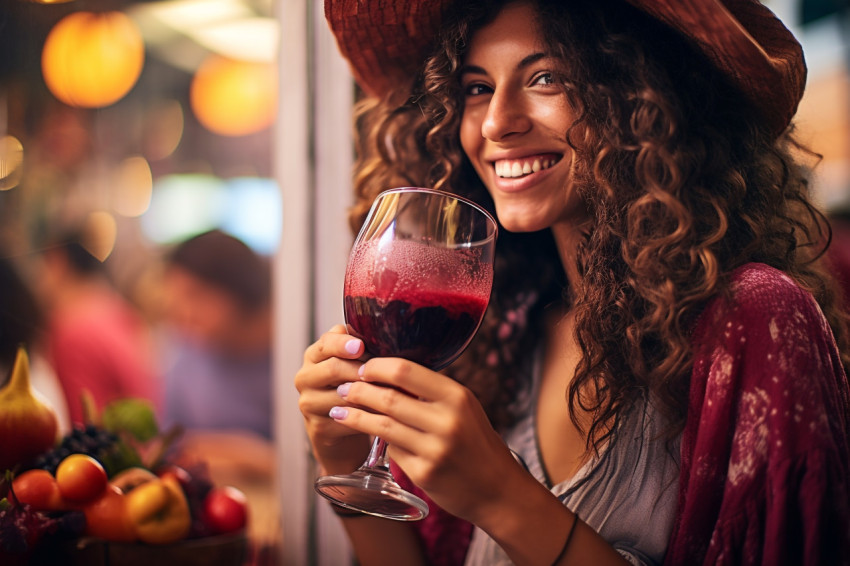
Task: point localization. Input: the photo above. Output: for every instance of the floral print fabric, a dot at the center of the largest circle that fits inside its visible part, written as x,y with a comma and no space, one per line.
765,468
764,454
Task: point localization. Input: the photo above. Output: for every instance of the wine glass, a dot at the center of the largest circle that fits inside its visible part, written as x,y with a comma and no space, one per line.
417,284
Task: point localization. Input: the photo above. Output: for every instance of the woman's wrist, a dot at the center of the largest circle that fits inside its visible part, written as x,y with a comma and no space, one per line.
567,542
539,530
528,522
342,459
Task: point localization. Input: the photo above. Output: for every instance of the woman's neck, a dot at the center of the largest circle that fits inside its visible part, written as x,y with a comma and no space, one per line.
568,238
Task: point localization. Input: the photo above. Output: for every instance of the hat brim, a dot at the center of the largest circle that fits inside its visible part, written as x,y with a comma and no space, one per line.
386,41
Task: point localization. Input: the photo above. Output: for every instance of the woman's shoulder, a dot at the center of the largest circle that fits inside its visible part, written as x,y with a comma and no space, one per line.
755,285
765,334
761,294
765,321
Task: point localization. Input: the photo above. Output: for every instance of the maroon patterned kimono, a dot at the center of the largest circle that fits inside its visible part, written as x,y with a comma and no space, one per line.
765,468
765,473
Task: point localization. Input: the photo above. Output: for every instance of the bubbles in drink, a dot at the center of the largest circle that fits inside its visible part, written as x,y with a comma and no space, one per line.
384,270
420,302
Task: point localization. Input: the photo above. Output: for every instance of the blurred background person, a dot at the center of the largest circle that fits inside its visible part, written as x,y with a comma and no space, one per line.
22,323
97,341
216,349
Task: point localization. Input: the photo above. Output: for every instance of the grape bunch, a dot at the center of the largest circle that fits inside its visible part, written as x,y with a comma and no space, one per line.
21,528
196,484
100,444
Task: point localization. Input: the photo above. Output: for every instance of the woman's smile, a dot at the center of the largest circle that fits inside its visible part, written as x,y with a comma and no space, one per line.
515,168
514,123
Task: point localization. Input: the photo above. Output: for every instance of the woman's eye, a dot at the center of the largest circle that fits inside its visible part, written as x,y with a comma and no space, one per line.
544,79
476,89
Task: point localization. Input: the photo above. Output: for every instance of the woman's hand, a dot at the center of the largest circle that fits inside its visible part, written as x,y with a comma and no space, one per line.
329,362
437,432
439,435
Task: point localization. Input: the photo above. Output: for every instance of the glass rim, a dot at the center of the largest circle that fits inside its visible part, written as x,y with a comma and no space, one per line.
463,199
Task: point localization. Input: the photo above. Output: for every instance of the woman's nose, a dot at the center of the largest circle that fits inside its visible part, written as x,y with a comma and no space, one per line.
506,115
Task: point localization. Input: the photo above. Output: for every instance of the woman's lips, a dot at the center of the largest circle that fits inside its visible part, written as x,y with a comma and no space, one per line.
515,168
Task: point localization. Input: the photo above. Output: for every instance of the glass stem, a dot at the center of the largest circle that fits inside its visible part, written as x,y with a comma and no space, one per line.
377,457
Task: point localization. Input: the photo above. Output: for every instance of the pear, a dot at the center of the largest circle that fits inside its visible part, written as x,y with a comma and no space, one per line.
28,424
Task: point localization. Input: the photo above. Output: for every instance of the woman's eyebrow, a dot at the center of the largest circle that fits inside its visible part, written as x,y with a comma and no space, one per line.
525,62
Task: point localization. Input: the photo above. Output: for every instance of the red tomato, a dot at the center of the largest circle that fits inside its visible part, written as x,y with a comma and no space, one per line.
107,517
38,488
225,509
80,478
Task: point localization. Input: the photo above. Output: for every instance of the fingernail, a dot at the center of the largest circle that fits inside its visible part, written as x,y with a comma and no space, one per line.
352,346
338,413
361,370
343,389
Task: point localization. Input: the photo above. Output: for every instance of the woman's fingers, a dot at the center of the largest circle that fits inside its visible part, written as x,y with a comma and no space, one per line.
395,404
407,376
400,407
329,361
328,373
393,430
334,343
426,438
318,402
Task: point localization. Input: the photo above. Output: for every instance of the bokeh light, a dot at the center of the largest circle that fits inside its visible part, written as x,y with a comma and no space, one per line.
234,98
91,60
99,233
184,205
254,212
132,187
163,129
11,162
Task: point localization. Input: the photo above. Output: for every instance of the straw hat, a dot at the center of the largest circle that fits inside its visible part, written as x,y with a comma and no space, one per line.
384,41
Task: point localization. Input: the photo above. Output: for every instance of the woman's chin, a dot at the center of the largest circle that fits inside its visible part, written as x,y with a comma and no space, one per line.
522,225
522,219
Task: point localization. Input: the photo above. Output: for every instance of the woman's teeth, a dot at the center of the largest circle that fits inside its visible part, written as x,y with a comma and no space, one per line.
512,169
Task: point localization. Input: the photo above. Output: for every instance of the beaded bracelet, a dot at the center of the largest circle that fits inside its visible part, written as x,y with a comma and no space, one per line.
566,542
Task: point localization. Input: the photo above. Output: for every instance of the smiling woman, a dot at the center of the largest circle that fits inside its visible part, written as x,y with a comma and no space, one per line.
514,122
659,232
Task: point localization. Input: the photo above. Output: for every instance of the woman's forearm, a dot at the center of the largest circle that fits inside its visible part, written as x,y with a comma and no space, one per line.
535,529
383,542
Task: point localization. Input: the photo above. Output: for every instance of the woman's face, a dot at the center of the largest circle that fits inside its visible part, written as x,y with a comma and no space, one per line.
514,124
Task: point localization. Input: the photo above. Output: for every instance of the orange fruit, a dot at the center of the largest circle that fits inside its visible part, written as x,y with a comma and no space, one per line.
80,478
107,517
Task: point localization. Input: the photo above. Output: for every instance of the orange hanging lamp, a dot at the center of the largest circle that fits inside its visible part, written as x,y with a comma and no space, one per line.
232,97
91,60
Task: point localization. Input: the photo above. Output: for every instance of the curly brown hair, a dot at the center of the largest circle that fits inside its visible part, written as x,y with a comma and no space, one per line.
682,177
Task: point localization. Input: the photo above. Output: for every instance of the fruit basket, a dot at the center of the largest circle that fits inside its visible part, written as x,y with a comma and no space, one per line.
217,550
106,493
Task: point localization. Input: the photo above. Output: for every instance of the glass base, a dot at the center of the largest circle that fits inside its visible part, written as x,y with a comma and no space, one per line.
374,492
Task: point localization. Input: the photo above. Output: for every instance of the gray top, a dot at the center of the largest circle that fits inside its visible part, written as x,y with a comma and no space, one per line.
627,494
